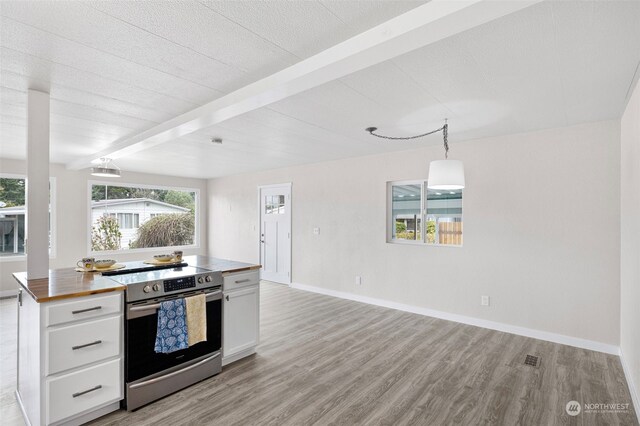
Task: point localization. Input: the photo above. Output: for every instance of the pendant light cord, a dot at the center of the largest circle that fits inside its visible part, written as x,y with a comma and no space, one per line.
444,129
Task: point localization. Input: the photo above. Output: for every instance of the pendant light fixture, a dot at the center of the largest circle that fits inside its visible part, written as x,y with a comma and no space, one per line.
106,168
443,174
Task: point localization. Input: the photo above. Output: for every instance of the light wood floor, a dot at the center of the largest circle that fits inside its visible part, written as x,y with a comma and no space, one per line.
324,360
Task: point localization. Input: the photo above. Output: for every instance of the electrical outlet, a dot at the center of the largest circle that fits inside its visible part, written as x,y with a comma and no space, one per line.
358,280
316,231
484,300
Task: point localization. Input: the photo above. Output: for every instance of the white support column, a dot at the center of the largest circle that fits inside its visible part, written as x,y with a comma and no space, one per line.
37,185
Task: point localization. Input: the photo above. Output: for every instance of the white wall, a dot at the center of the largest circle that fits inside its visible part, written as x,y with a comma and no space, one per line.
541,222
630,243
72,225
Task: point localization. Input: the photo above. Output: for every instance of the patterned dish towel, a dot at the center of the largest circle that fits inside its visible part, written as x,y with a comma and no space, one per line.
197,318
171,334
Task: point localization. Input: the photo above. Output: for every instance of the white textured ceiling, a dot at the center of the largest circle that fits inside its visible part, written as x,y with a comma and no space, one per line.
116,68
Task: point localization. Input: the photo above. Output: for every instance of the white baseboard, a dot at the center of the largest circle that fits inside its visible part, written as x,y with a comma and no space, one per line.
632,388
507,328
243,354
8,293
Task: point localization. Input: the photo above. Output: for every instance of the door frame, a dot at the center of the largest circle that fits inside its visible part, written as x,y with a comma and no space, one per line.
290,205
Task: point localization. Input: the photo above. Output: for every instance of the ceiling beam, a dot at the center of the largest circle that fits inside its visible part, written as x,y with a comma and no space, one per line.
424,25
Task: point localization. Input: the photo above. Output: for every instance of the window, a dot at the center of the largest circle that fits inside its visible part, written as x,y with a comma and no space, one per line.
406,208
128,220
422,216
126,217
444,217
274,204
13,215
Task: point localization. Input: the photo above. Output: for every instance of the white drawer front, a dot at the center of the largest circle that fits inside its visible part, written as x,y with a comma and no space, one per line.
80,344
243,279
92,387
83,308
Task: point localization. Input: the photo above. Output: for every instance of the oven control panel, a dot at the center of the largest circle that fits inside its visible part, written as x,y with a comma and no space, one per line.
179,284
158,283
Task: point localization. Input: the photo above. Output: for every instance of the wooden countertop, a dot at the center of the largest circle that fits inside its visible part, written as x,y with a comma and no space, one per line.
66,283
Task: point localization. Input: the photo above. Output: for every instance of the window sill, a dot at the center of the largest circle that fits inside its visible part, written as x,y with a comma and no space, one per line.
420,243
143,250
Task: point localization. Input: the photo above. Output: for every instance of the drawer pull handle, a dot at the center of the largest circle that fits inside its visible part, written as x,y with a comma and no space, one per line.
246,280
95,308
77,394
97,342
210,296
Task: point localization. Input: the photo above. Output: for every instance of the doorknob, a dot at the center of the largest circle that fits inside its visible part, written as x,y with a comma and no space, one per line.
262,238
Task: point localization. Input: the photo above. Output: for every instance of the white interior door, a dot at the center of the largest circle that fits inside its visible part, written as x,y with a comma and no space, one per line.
275,233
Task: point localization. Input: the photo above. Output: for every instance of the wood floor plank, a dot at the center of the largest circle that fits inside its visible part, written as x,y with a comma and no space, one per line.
327,361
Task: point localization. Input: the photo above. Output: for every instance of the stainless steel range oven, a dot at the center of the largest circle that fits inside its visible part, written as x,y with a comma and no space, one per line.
150,375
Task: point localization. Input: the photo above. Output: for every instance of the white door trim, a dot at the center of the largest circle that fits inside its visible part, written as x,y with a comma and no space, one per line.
275,185
290,204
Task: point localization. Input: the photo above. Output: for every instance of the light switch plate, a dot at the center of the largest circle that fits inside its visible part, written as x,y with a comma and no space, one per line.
316,231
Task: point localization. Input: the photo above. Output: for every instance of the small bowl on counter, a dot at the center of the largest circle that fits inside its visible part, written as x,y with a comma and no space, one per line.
104,263
163,257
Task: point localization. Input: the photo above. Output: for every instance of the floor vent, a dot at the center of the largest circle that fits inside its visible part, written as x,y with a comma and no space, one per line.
532,360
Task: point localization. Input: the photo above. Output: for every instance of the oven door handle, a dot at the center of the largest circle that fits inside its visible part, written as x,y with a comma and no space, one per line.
175,373
154,306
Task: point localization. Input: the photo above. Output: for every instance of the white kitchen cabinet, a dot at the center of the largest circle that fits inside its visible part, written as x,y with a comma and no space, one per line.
241,315
70,358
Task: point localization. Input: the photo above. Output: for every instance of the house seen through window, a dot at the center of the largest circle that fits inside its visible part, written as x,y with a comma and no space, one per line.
130,217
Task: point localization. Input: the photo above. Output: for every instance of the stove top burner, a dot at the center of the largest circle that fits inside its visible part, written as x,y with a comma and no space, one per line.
157,274
157,283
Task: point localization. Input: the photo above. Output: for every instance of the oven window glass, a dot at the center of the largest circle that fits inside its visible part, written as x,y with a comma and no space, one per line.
141,359
128,217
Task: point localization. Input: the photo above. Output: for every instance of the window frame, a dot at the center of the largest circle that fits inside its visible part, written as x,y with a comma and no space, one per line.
196,231
52,218
423,215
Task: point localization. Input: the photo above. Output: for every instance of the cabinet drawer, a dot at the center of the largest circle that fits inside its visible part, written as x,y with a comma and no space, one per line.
80,344
83,390
83,308
243,279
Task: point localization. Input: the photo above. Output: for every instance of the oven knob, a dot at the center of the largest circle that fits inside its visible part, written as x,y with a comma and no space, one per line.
200,280
146,289
156,287
208,278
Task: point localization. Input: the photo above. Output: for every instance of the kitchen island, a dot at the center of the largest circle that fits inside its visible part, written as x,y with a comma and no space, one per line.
66,283
71,347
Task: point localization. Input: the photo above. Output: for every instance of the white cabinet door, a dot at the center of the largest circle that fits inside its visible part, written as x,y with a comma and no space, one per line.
241,320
